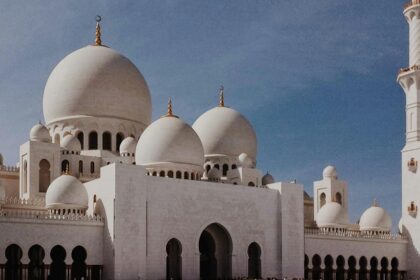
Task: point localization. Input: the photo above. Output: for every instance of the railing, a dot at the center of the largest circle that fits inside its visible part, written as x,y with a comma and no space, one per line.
9,168
407,69
13,200
48,216
355,274
353,233
43,272
411,3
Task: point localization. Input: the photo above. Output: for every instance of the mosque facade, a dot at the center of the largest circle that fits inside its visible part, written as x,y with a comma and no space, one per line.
103,192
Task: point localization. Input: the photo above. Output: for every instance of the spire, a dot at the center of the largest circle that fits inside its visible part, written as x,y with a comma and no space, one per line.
98,41
375,203
169,113
221,97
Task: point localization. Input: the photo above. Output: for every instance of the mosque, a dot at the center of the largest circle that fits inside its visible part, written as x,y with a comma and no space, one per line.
103,192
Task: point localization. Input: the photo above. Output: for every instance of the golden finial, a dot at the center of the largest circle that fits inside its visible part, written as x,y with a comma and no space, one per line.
98,41
221,97
169,113
375,203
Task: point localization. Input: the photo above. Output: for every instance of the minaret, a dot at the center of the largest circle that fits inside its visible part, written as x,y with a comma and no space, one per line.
409,79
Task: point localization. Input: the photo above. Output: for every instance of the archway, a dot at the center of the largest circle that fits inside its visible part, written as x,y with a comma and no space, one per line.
81,138
78,267
36,256
384,268
13,264
339,274
254,261
173,260
44,175
106,141
215,247
328,271
351,273
373,268
93,140
316,267
58,266
394,269
363,268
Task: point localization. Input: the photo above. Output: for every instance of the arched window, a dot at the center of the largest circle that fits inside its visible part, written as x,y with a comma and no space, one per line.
316,267
92,167
394,269
208,167
58,266
384,268
186,175
162,173
363,268
192,176
225,169
93,140
154,173
173,260
234,166
80,167
217,166
306,264
44,175
254,261
328,271
65,166
322,200
373,269
251,184
351,273
78,267
106,141
81,138
170,174
338,198
25,176
13,263
339,274
36,256
119,138
178,174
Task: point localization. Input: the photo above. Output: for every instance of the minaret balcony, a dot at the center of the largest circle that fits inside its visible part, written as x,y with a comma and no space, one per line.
411,4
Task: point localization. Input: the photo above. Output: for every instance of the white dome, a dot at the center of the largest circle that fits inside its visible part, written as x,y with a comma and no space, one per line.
128,146
332,214
66,192
267,179
375,218
245,160
71,143
39,132
96,81
225,131
169,140
330,172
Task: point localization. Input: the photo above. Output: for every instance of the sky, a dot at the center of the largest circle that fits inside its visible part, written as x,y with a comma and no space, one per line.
317,79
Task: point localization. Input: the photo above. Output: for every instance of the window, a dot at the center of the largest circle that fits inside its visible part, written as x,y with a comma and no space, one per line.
44,175
80,167
106,141
322,200
81,138
65,166
338,198
225,169
93,140
92,167
119,138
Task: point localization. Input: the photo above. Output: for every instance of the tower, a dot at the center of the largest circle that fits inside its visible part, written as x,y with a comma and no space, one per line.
409,79
330,189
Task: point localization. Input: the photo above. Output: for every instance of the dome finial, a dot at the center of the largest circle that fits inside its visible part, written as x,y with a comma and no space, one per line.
169,113
375,203
98,41
221,97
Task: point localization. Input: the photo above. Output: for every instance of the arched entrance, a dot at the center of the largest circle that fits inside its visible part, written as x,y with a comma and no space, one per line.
215,247
254,261
173,260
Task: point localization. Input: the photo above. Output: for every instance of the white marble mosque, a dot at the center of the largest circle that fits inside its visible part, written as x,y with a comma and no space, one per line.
102,191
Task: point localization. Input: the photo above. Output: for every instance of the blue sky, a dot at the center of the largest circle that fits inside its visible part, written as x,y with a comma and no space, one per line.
315,78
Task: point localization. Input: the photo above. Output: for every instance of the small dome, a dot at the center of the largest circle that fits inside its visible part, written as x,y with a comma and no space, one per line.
330,172
39,132
375,218
96,81
224,131
214,174
245,160
169,140
66,192
267,179
71,143
332,214
128,146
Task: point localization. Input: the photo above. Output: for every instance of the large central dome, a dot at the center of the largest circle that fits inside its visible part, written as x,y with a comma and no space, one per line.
96,81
